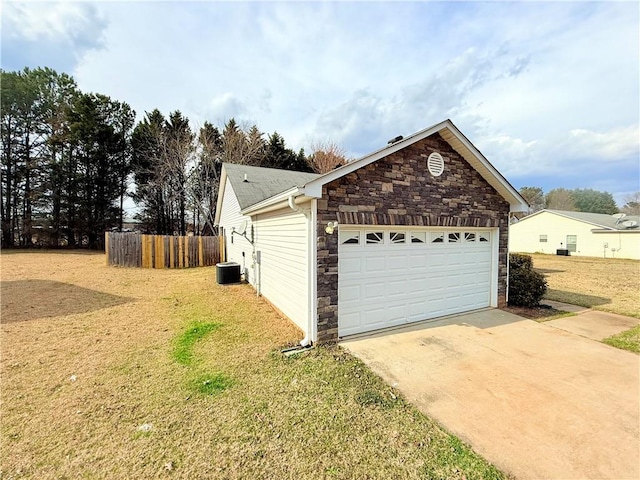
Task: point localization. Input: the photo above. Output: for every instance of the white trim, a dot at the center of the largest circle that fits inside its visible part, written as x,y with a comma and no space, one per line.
495,267
221,187
259,207
313,271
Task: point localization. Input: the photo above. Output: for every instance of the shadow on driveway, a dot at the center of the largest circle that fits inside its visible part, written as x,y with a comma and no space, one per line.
24,300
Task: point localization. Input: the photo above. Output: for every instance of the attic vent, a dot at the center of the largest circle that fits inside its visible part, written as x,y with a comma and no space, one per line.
435,164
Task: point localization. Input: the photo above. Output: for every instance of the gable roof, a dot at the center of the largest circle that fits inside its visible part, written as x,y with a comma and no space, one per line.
458,142
262,183
602,220
272,186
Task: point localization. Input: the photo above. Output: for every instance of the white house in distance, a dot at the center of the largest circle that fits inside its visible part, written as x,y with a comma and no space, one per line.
416,230
585,234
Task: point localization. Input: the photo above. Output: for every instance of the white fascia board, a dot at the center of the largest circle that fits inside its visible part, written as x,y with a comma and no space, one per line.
280,197
532,215
518,203
221,187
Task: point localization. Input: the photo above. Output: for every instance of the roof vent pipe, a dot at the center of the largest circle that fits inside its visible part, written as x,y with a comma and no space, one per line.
245,178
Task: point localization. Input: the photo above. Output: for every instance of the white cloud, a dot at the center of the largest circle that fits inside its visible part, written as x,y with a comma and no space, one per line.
614,145
49,34
226,106
517,78
49,21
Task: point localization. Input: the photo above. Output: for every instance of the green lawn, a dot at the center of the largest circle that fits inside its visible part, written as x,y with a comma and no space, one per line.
629,340
128,373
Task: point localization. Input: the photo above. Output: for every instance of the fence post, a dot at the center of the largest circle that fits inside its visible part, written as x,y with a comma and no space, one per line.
146,251
159,259
106,247
172,253
187,253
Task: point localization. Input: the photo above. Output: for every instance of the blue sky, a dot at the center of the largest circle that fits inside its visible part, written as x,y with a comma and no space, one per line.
549,92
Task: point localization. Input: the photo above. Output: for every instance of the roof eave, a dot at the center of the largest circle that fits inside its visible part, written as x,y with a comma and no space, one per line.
221,187
269,202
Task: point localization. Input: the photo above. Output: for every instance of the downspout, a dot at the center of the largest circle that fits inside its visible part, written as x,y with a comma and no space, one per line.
306,341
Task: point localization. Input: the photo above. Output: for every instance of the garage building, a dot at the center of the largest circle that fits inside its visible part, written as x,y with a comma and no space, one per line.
414,231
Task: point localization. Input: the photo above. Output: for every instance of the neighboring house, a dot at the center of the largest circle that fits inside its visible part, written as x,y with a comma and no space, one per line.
586,234
416,230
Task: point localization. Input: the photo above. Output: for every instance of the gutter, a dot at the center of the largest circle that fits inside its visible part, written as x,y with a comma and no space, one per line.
271,202
306,341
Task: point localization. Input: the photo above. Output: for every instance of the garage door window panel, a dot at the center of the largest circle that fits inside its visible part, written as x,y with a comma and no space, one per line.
397,238
437,237
454,237
418,237
374,238
349,237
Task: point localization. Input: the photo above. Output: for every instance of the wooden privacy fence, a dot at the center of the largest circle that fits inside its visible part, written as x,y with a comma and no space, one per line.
161,251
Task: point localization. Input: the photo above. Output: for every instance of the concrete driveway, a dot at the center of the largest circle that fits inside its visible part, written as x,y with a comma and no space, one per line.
535,400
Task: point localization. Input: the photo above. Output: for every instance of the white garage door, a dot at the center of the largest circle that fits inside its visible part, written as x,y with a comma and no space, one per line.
392,276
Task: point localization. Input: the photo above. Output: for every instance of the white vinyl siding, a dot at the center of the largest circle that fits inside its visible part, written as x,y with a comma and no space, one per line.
591,240
230,218
281,238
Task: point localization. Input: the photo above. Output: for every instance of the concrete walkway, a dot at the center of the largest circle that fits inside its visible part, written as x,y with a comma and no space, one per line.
534,399
592,324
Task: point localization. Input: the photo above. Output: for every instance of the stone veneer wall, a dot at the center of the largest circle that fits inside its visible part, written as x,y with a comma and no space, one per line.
399,190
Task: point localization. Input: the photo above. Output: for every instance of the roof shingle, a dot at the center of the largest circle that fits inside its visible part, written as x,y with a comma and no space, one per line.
262,183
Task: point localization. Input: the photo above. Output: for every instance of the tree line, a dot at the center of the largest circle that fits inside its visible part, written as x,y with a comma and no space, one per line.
579,200
69,159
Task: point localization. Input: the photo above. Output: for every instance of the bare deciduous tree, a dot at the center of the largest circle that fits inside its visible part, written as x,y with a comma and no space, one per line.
560,199
326,156
632,204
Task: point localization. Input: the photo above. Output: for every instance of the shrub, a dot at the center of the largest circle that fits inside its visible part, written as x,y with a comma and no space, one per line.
518,260
526,286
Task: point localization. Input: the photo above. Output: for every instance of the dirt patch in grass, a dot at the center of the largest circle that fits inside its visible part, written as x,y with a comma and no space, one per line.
97,392
607,284
543,313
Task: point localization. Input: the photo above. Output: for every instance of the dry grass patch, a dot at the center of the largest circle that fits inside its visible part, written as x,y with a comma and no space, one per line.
608,284
92,388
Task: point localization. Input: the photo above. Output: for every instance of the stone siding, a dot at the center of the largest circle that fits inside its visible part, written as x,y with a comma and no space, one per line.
399,190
